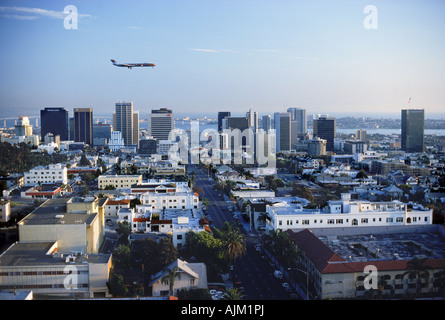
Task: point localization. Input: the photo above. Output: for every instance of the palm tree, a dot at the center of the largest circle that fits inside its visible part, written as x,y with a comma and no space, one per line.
419,269
233,245
233,294
170,278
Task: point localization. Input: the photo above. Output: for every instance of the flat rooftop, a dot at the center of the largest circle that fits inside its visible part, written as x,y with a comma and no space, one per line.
54,212
389,246
37,253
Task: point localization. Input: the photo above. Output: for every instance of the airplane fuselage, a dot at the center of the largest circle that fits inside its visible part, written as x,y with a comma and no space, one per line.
131,65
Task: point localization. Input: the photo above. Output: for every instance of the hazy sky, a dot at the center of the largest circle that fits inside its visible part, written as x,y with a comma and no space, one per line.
223,55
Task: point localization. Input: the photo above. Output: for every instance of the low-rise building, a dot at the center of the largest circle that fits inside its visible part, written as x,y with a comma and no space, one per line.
53,173
189,276
351,263
347,213
41,266
5,210
118,181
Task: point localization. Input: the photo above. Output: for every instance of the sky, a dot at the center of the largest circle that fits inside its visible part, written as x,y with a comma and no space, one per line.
224,55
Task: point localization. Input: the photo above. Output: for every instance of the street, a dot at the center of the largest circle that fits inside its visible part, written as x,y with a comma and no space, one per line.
253,270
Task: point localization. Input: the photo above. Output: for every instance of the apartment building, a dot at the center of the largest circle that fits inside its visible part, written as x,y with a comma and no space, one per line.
362,263
346,213
53,173
118,181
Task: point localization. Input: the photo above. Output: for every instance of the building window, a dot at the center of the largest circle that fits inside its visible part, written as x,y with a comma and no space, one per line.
305,222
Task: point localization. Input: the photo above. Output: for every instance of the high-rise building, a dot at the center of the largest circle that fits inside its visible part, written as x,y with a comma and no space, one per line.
123,121
221,116
55,121
83,125
23,128
136,128
413,122
299,115
160,123
241,123
266,122
101,133
282,122
360,135
252,119
325,128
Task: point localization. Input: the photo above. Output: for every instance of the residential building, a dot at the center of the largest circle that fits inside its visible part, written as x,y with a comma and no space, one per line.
347,213
113,206
345,263
5,210
189,276
316,147
53,173
83,125
325,128
160,123
413,123
118,181
55,121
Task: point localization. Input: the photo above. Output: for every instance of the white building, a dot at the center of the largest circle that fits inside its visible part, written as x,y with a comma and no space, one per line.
189,276
53,173
171,200
118,181
5,210
116,141
347,213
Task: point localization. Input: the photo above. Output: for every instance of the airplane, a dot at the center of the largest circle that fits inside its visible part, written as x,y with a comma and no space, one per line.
131,65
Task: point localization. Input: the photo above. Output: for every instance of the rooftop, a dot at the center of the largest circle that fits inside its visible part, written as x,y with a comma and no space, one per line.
42,253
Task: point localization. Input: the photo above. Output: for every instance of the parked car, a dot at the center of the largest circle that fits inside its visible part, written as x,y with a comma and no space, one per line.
278,274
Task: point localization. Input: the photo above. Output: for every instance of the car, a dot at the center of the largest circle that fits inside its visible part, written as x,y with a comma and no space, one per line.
285,285
278,274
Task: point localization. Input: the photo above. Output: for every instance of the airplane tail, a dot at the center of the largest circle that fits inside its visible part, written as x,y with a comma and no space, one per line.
114,61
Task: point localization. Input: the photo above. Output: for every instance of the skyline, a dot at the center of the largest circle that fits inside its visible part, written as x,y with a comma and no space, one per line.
226,55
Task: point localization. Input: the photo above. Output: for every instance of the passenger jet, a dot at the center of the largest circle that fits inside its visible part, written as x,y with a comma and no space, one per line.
131,65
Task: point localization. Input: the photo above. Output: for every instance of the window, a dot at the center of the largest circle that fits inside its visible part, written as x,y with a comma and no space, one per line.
330,221
280,223
364,220
389,220
399,219
305,222
339,221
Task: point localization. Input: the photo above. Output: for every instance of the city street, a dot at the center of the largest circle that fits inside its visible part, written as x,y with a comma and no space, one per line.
254,272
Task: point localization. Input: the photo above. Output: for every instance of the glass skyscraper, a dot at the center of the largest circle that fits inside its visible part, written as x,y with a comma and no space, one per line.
55,121
413,122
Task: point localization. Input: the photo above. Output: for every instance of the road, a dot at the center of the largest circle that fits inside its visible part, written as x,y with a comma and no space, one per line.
253,270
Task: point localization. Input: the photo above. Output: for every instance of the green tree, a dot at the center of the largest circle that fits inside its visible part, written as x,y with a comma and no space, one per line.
123,230
84,162
122,256
233,294
117,286
233,244
302,191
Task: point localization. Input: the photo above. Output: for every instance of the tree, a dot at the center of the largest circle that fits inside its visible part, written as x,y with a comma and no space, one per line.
117,286
233,294
123,230
170,278
84,162
122,256
194,294
361,175
233,245
302,191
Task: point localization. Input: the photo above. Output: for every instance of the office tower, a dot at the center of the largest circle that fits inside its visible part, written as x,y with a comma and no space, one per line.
266,122
55,121
23,128
160,123
241,123
71,129
413,122
101,133
147,146
252,119
136,128
123,121
360,135
299,115
324,128
83,125
221,116
282,122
